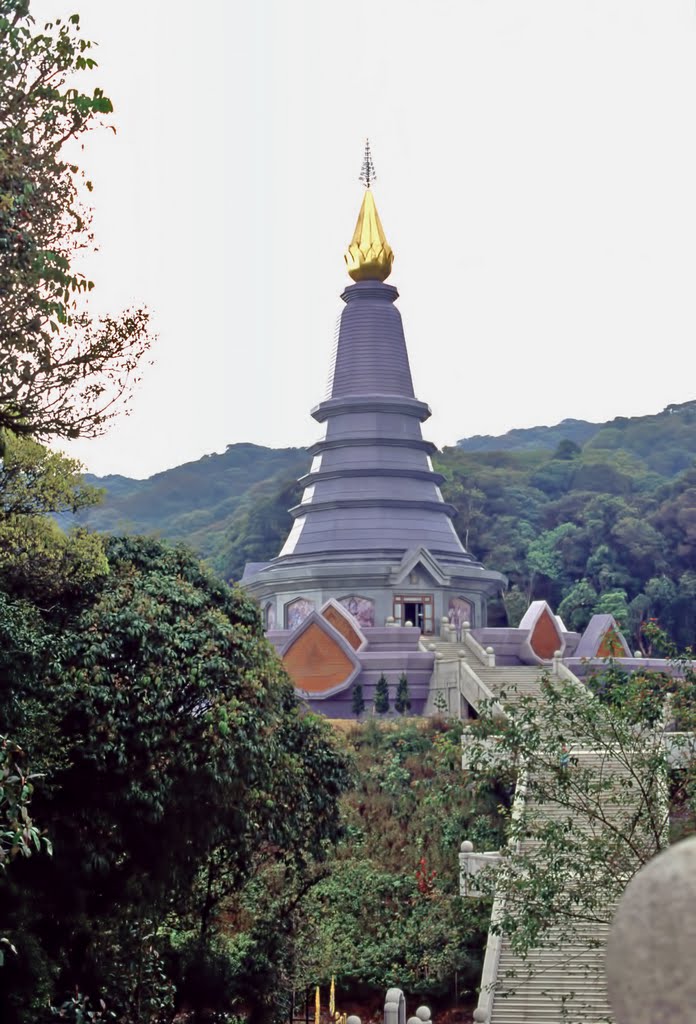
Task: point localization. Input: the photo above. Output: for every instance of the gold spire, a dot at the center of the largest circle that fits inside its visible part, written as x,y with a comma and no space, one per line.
369,256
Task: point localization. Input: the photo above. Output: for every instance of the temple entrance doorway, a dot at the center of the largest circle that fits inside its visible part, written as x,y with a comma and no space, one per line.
416,609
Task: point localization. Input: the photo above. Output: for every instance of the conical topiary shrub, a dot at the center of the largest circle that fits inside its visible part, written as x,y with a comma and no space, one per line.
358,700
403,696
382,695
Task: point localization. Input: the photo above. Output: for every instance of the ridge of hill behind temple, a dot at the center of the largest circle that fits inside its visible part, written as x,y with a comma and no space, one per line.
195,501
635,434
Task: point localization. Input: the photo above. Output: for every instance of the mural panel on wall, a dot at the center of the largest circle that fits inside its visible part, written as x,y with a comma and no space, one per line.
270,616
460,610
361,608
297,611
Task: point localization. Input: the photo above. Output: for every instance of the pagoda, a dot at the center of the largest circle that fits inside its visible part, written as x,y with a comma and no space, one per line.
372,532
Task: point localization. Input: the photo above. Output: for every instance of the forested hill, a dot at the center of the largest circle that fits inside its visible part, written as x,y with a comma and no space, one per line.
670,428
199,501
607,523
577,431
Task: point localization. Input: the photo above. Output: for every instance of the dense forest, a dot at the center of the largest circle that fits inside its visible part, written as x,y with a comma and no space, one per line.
592,517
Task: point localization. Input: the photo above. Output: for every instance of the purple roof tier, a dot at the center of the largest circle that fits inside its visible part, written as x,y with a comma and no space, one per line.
370,357
371,488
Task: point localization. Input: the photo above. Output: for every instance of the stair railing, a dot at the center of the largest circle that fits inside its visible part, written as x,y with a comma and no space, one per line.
561,671
474,690
494,944
486,655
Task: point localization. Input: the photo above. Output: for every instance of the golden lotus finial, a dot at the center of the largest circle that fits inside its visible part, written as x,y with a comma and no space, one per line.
369,256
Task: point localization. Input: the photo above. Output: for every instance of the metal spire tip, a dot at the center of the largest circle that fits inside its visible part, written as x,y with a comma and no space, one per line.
367,172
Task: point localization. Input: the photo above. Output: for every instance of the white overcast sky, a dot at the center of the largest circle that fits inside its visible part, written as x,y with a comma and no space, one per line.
536,165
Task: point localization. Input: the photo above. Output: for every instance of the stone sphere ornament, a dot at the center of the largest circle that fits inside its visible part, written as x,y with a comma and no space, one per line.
651,949
423,1013
353,1020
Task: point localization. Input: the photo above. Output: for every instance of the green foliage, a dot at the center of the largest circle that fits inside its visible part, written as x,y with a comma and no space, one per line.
60,370
232,508
597,777
37,558
440,702
175,755
368,919
403,697
533,438
613,602
381,701
19,836
516,605
567,450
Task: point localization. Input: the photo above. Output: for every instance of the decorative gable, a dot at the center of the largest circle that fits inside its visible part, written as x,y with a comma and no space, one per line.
544,636
602,639
344,623
423,567
318,658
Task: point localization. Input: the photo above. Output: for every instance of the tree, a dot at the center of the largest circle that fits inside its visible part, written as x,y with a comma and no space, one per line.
367,920
381,703
613,602
516,605
594,805
576,608
18,833
358,700
544,556
38,560
403,696
567,450
177,757
19,836
62,373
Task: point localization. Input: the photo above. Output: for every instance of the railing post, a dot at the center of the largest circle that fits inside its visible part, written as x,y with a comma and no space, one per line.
556,669
461,658
444,628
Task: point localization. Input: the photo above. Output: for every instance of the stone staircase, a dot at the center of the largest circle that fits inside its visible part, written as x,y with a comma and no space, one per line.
562,982
449,649
536,990
514,681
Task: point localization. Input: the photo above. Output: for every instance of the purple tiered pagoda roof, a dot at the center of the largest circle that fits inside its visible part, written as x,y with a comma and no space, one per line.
371,490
